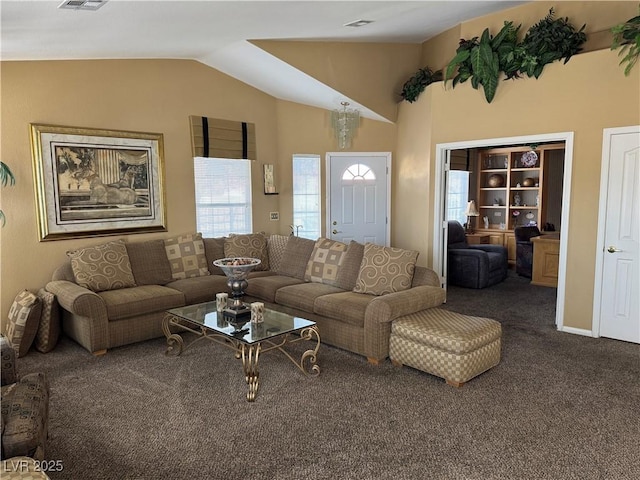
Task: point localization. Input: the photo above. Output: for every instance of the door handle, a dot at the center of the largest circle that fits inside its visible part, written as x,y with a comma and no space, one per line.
613,249
335,231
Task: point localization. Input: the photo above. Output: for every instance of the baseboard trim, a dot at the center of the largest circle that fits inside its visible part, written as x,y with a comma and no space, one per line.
576,331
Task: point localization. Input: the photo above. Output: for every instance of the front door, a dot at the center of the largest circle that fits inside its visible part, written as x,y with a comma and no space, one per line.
619,308
358,197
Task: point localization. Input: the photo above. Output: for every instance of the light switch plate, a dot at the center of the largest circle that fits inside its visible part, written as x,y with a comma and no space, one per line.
274,216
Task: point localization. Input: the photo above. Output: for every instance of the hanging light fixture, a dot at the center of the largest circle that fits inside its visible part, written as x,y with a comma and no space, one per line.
345,123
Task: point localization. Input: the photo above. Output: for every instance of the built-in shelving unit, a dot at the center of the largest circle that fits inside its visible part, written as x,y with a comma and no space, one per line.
511,190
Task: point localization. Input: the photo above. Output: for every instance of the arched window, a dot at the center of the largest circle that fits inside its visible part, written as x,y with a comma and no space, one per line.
358,171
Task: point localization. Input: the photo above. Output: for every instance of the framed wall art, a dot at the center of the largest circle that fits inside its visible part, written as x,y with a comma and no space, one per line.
97,182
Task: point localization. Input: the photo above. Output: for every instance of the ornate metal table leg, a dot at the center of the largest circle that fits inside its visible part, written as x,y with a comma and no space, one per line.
250,354
310,356
174,341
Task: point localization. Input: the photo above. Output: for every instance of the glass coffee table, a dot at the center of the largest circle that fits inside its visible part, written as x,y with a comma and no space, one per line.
276,332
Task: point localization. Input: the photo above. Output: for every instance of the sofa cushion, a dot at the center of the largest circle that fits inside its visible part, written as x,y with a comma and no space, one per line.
130,302
295,257
265,288
214,250
186,256
303,296
325,261
252,245
350,266
24,316
49,327
275,247
348,307
102,267
149,262
200,289
385,270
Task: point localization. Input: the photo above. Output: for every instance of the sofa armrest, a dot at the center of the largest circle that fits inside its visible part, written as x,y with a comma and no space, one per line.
489,248
386,308
425,276
382,310
78,300
8,355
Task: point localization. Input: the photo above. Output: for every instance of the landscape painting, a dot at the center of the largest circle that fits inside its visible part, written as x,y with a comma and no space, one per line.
97,182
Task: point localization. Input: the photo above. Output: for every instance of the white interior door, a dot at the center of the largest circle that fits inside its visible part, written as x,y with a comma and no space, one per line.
358,198
619,313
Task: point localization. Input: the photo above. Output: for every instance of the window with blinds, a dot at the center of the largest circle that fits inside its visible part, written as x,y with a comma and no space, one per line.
223,196
306,196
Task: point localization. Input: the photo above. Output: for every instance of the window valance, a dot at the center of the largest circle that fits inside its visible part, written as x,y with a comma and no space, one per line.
217,138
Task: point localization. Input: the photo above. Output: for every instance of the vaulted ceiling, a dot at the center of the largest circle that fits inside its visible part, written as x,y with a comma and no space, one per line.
220,33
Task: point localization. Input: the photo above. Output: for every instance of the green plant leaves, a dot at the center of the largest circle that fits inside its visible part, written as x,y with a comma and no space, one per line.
626,37
484,60
416,84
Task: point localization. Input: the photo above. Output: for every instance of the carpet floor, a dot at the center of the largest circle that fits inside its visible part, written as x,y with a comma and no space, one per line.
558,406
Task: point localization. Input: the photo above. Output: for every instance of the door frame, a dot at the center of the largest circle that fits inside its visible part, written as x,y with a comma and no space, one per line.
387,156
440,225
607,135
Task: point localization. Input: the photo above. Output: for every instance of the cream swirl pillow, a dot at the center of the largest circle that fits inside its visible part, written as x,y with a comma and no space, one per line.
385,270
103,267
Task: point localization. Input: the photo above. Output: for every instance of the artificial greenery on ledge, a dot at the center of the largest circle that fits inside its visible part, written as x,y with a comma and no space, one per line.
483,60
626,36
413,87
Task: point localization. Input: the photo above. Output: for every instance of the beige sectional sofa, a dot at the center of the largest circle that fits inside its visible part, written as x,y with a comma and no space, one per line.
352,291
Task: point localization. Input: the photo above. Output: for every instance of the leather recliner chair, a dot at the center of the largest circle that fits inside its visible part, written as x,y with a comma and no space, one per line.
524,249
473,266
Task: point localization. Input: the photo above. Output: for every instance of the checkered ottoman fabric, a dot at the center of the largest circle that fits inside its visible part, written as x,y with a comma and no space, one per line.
450,345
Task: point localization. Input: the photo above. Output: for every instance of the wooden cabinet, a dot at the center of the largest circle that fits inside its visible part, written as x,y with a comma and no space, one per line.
478,238
511,191
546,255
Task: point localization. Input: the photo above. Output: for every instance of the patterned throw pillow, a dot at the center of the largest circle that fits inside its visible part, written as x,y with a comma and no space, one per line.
49,329
103,267
253,245
325,259
385,270
186,256
275,246
24,316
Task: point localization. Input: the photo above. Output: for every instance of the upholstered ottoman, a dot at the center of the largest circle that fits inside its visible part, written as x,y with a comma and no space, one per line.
450,345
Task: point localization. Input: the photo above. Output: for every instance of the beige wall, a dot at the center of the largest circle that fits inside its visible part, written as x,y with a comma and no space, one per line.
149,96
307,130
584,96
370,74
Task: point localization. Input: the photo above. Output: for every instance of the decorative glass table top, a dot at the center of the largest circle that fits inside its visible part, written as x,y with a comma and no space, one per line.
274,324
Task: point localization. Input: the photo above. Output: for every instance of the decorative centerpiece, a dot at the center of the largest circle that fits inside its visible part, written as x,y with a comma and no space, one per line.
495,181
237,269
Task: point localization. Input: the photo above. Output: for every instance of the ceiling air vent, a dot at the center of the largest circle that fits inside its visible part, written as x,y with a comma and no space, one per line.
358,23
82,4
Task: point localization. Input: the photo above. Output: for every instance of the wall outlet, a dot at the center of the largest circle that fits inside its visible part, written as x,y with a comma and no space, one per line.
274,216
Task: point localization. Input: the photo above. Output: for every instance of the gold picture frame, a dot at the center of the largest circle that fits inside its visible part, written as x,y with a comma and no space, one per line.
93,182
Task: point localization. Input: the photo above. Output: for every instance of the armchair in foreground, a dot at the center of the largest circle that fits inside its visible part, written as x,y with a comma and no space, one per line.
473,266
25,408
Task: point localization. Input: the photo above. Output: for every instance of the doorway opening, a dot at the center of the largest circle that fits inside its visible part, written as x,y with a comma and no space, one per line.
443,164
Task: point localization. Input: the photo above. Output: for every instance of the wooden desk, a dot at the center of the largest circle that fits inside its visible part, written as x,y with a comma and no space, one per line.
546,257
478,238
